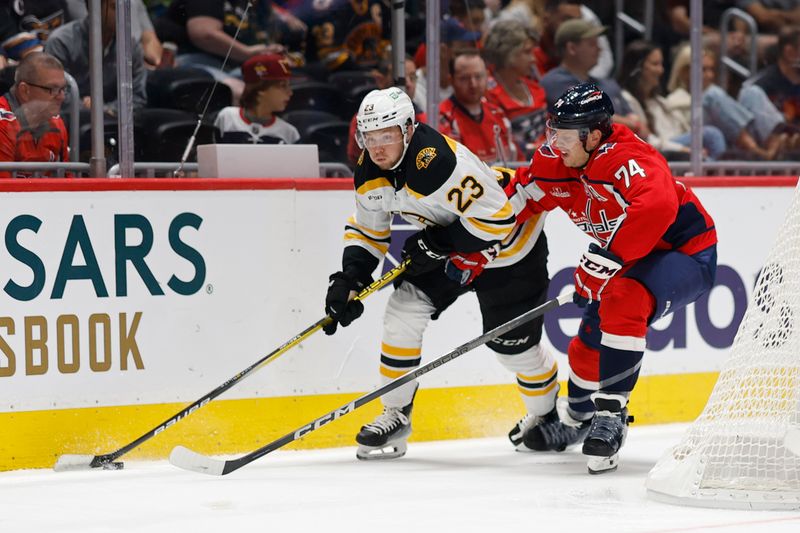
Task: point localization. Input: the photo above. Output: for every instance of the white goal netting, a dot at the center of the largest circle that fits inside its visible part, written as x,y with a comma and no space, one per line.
744,449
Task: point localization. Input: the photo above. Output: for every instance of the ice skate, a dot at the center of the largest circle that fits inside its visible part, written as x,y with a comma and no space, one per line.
555,431
386,436
517,433
607,433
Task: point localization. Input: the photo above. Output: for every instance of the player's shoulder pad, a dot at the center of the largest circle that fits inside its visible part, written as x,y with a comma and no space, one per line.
611,155
5,114
430,160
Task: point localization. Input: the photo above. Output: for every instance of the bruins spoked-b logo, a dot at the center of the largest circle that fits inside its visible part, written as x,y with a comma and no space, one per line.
425,156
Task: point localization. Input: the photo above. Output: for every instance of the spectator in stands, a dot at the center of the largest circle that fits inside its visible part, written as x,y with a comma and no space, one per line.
527,12
507,49
455,37
469,13
760,134
778,83
669,130
384,78
204,32
266,91
547,53
577,44
345,35
70,45
30,128
772,15
143,32
468,117
25,26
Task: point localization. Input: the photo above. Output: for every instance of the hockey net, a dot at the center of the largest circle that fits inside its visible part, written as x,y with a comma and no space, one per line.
744,449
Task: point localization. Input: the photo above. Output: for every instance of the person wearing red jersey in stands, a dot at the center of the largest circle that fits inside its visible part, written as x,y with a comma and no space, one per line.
468,117
508,49
31,129
653,253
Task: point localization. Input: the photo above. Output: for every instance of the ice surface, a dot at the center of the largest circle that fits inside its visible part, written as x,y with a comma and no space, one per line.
462,486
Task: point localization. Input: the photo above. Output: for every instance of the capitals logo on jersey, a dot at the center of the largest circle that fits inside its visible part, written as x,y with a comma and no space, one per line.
591,192
603,150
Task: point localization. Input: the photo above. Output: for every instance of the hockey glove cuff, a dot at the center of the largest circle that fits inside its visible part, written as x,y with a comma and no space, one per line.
339,303
465,267
596,268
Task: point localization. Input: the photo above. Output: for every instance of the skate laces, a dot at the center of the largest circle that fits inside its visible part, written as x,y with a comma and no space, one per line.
390,419
556,432
527,421
607,425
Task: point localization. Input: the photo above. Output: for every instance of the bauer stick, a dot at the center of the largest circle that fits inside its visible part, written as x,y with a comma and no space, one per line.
106,461
190,460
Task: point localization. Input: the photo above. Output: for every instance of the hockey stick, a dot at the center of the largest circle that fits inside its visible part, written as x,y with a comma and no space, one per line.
190,460
106,461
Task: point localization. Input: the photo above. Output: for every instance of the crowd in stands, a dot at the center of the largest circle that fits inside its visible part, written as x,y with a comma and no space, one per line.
289,71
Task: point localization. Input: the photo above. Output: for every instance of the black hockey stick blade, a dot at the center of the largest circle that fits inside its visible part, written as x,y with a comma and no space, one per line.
106,461
187,459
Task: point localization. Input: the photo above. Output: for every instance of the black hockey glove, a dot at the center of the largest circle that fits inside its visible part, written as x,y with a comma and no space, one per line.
425,255
338,303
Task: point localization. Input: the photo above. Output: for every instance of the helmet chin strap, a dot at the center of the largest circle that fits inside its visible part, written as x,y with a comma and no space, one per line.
409,129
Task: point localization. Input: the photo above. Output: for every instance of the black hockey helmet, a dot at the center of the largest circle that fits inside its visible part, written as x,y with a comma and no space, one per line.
583,106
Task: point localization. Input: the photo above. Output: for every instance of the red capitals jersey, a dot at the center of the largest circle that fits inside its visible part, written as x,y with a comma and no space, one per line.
479,134
21,143
528,120
625,198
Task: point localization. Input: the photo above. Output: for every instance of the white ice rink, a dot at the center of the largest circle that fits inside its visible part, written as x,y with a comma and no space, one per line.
459,486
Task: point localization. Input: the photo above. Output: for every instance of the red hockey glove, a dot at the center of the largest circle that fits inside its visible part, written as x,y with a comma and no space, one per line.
465,267
596,267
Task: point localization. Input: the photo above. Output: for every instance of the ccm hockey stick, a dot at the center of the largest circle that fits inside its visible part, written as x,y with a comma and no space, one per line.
190,460
107,461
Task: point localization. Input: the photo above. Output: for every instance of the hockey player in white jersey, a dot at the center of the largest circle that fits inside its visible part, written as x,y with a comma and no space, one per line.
466,224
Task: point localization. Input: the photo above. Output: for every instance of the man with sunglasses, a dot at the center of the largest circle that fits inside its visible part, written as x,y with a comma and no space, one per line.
653,253
466,224
31,129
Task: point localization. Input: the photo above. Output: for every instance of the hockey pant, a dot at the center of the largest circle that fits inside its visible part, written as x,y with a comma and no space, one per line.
606,355
503,294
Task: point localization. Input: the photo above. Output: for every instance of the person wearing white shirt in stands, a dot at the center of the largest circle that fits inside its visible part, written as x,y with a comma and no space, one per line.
267,91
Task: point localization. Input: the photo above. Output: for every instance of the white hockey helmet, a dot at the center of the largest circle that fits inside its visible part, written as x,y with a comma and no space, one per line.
383,108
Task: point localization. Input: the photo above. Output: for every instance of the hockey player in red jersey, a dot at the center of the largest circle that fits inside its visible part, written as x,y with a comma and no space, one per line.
654,253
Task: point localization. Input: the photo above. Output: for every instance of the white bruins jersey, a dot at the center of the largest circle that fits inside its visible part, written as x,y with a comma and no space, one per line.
233,128
439,183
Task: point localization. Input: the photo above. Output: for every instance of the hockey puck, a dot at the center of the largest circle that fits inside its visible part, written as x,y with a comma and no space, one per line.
114,466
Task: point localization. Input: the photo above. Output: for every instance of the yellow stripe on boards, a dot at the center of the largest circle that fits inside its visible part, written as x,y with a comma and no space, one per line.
34,439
